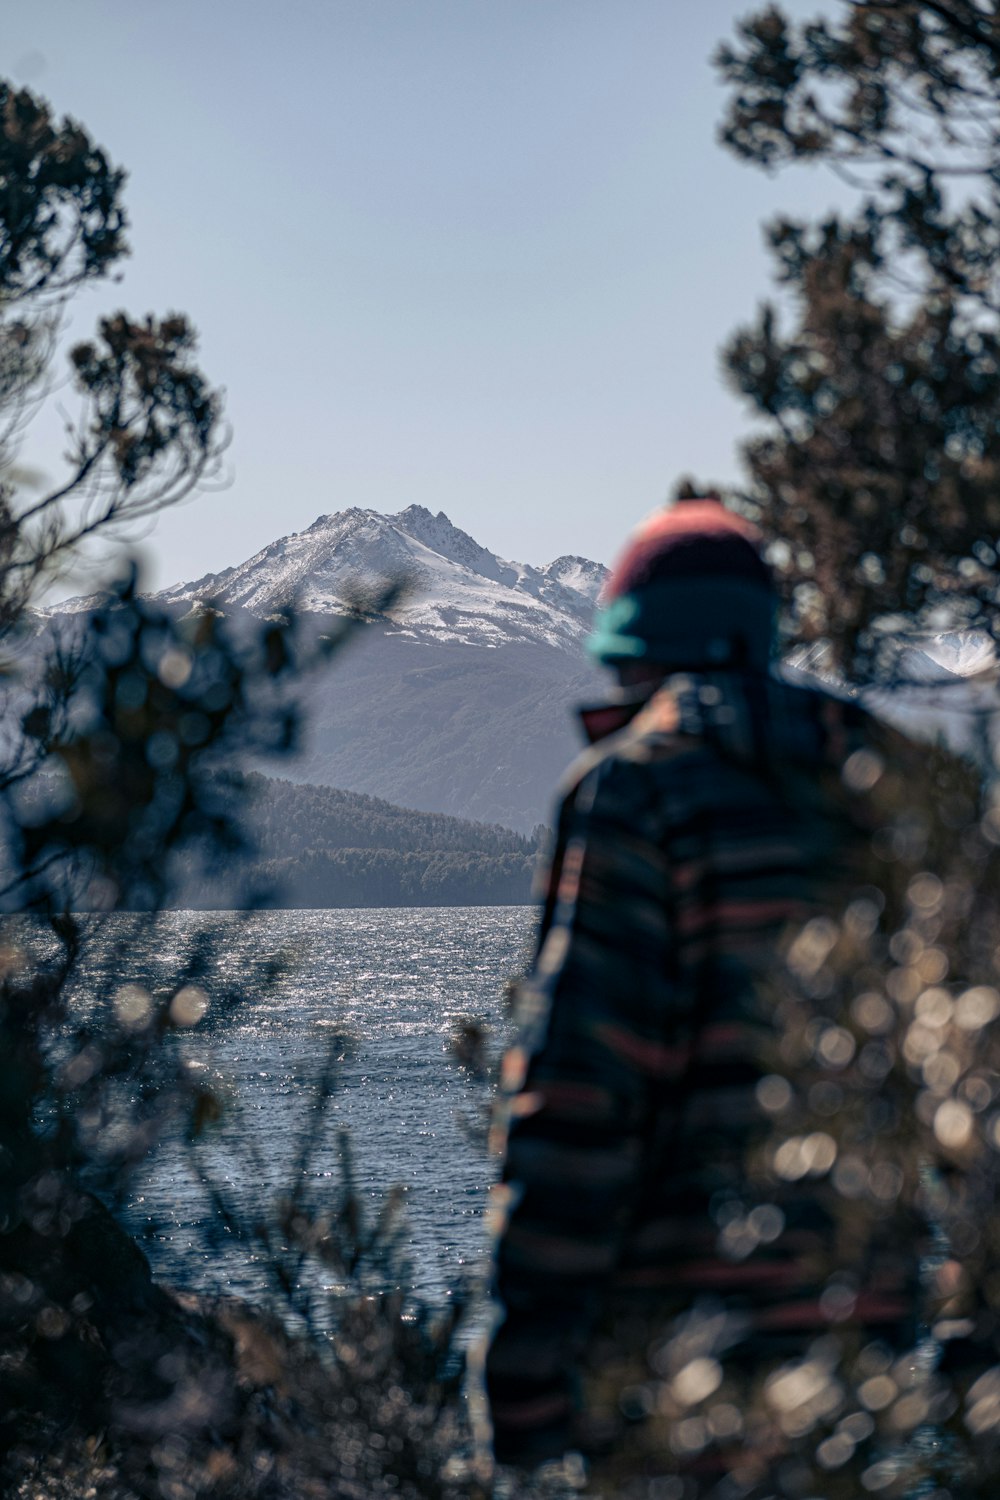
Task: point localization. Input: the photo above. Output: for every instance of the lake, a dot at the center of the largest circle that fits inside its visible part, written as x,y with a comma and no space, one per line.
388,988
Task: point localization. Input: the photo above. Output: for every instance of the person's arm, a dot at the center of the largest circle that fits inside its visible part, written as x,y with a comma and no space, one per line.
577,1090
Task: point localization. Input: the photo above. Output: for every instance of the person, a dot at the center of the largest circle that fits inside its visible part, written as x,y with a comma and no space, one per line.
710,813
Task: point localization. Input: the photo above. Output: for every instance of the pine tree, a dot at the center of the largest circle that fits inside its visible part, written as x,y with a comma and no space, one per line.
878,378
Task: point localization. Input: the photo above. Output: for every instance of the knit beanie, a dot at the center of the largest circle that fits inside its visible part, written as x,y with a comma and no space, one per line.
690,590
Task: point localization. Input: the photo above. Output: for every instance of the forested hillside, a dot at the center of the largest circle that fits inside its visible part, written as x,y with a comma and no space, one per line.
315,846
288,818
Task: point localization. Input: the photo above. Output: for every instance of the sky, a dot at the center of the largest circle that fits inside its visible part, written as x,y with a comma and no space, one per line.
478,255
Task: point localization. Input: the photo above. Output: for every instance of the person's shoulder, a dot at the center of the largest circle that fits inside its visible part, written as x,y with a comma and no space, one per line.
605,764
805,713
621,779
695,731
835,719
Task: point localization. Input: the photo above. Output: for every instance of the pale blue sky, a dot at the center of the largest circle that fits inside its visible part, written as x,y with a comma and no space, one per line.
473,254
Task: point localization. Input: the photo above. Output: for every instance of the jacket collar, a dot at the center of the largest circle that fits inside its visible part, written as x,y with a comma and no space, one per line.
616,712
751,716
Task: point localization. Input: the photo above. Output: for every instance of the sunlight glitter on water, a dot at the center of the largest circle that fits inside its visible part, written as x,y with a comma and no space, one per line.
393,984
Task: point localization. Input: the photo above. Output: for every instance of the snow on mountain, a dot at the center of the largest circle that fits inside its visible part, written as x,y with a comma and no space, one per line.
942,688
965,654
457,591
578,573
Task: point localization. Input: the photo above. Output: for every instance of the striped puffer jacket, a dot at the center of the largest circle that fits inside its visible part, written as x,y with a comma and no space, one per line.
686,844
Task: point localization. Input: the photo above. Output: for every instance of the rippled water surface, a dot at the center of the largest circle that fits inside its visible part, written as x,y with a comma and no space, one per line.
397,982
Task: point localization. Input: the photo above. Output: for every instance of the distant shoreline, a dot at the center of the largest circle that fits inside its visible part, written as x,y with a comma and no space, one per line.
194,911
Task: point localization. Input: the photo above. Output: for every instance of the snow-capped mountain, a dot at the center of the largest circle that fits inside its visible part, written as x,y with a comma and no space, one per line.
965,654
456,590
461,700
919,660
942,687
945,688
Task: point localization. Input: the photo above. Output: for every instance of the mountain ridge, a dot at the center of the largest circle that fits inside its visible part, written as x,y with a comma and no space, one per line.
455,590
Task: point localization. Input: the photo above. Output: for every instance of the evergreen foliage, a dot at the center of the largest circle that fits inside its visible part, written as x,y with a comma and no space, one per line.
878,383
386,877
112,779
875,476
116,784
315,846
289,818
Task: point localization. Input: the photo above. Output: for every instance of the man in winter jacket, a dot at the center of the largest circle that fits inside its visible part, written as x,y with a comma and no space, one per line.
700,824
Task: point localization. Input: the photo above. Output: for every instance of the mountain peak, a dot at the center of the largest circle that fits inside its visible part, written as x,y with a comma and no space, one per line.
419,513
578,573
442,536
459,591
